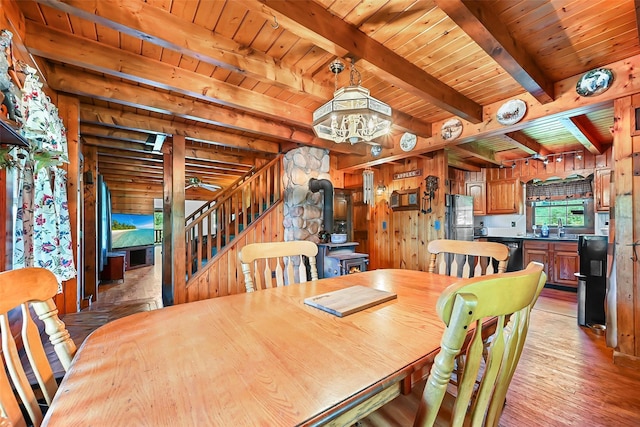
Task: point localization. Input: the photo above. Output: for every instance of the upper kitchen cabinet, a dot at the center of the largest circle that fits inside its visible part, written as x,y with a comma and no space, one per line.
504,196
478,191
602,189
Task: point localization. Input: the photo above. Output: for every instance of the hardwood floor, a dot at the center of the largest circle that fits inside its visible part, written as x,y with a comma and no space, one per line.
565,377
139,284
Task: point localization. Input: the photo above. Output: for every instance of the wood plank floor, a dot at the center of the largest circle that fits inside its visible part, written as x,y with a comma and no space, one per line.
565,377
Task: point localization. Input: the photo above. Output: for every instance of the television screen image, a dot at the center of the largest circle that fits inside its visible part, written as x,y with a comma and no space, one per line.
129,230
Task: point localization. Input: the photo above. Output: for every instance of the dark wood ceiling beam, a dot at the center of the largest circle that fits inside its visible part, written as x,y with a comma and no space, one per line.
192,152
138,139
57,45
522,142
130,121
473,149
579,128
85,84
94,56
459,164
128,185
482,24
143,21
119,157
303,16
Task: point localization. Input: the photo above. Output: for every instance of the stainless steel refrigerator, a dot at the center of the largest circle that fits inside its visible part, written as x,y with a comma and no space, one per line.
458,217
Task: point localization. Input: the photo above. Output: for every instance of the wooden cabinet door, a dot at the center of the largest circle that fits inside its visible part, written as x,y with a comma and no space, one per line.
504,196
566,263
477,190
603,189
538,252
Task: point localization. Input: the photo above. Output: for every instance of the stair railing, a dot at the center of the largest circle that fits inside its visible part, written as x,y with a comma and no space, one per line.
225,217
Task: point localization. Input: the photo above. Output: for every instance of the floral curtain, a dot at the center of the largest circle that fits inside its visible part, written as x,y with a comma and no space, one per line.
42,233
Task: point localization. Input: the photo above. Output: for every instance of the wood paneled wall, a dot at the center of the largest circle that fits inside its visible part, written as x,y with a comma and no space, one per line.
627,229
225,276
399,239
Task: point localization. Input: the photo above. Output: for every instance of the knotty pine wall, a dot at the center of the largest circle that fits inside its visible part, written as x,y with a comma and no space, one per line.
398,239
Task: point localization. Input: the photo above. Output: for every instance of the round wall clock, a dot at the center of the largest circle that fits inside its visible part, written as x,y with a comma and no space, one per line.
408,141
376,150
594,82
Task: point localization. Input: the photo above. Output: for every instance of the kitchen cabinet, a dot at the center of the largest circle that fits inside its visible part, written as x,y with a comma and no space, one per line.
560,259
504,196
477,191
602,189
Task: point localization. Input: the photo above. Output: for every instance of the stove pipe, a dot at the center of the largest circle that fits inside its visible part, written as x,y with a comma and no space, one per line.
316,185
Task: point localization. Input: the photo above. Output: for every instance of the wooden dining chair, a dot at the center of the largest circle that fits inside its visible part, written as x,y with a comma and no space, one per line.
277,263
461,258
20,289
479,397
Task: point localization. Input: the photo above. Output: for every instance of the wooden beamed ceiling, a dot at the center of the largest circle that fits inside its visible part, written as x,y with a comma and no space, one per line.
240,79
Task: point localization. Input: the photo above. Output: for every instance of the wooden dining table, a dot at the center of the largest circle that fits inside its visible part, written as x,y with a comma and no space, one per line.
258,359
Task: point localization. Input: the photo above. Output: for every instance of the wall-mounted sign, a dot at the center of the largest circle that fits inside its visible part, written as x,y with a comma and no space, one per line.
408,174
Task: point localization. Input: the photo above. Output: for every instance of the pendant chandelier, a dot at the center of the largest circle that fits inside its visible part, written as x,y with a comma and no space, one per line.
352,115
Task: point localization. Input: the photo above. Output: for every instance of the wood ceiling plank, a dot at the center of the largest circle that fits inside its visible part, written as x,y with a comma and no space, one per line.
114,133
85,84
149,23
133,121
206,156
150,160
67,80
485,28
305,16
566,104
94,56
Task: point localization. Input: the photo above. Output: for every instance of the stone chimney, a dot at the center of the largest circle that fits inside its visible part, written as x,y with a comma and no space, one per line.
303,208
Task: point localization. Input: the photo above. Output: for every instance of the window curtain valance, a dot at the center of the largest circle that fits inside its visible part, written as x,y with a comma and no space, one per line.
559,190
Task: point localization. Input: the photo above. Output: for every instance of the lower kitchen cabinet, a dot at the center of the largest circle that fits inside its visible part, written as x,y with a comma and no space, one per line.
560,259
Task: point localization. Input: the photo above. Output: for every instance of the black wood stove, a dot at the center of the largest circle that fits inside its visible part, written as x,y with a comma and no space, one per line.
337,259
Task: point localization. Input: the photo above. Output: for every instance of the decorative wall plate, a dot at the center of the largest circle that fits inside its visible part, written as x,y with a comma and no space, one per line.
376,150
451,129
408,141
511,112
594,82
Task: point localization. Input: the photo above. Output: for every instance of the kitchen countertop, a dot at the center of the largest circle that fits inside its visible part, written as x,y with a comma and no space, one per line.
555,238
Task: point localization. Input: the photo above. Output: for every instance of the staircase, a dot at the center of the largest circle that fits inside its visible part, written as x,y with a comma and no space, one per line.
225,222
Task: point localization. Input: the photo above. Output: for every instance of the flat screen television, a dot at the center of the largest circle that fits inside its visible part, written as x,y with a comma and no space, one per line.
130,230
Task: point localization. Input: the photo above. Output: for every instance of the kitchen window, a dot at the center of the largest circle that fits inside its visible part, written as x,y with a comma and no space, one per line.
570,212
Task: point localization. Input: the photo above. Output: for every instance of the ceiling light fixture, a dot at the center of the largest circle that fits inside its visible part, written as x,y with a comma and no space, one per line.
559,157
352,115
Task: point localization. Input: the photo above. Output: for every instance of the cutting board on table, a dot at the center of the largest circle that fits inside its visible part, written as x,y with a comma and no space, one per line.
349,300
